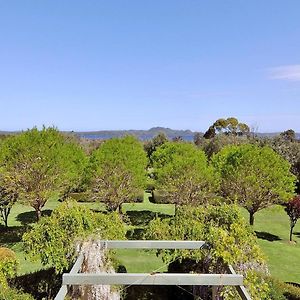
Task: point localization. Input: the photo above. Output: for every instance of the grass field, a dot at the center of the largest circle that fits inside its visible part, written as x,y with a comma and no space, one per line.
271,226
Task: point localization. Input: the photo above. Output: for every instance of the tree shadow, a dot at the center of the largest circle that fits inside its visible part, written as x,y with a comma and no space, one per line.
29,217
11,235
297,234
143,217
267,236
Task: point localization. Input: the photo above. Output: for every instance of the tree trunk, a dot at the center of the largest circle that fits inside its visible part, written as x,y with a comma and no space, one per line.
38,213
120,209
6,221
251,219
291,231
4,214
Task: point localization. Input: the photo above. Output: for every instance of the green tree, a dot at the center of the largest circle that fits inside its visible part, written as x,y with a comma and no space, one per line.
198,137
8,197
152,145
118,171
229,126
42,164
255,177
182,172
292,209
289,135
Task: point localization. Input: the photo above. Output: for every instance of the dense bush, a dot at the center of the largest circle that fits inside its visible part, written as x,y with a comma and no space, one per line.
8,262
53,239
229,241
13,294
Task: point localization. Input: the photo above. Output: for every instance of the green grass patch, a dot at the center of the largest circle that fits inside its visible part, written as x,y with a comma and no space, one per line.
272,228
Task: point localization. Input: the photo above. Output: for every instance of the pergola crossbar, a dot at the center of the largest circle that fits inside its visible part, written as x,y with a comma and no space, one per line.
179,279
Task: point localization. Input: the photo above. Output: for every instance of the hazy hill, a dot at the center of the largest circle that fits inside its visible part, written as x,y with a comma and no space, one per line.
144,134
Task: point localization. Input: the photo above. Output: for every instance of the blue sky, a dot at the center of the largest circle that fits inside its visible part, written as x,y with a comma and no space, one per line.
92,65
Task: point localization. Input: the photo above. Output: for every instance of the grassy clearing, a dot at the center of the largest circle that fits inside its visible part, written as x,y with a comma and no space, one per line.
271,226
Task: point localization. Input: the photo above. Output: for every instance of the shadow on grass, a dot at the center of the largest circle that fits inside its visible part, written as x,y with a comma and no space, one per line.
143,217
11,235
29,217
297,234
267,236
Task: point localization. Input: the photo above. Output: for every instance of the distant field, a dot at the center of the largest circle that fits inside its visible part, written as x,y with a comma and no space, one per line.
271,225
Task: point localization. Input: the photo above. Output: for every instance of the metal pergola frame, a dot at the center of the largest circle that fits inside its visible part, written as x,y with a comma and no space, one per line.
214,280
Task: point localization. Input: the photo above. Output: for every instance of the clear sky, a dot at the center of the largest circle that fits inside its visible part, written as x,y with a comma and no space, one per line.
135,64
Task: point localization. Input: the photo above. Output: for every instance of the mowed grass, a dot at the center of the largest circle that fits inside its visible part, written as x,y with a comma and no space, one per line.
272,228
271,225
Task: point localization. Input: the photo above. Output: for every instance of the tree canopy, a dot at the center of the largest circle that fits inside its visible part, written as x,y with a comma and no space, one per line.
42,164
229,126
182,172
256,177
118,171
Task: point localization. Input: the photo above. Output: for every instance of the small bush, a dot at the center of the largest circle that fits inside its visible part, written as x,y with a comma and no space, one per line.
291,292
8,262
13,294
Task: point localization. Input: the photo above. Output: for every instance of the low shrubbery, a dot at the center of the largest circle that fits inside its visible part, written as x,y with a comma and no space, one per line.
53,240
229,241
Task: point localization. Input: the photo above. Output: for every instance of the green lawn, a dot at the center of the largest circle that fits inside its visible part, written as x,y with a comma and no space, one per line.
271,225
283,257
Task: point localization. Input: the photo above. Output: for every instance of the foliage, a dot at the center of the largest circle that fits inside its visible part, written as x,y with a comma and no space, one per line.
152,145
229,126
53,239
42,164
118,171
289,149
198,137
8,269
183,174
228,241
255,177
282,291
42,284
288,135
8,262
292,209
214,145
13,294
8,197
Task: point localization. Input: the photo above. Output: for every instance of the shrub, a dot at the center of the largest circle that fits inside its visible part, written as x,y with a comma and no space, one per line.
8,262
229,240
53,239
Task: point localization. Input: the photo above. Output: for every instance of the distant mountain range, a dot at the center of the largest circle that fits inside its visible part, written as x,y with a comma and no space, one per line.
141,134
149,134
144,134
